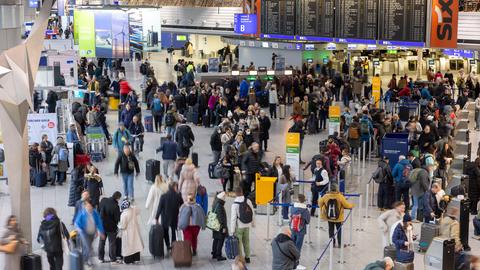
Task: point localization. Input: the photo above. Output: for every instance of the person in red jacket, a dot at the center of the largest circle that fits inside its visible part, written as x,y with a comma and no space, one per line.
405,92
124,87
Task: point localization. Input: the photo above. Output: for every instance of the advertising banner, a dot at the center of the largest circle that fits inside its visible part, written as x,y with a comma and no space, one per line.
376,87
39,124
394,145
292,156
333,119
103,33
213,64
120,35
444,24
85,23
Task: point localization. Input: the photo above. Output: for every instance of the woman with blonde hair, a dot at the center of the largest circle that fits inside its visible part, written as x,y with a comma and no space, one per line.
159,188
191,219
189,180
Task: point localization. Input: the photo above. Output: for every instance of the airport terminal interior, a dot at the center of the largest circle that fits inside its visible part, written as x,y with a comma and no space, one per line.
240,134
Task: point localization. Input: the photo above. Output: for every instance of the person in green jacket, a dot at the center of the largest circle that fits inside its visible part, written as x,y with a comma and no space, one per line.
386,263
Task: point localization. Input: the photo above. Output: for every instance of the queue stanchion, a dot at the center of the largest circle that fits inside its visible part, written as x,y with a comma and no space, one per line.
360,202
364,153
351,244
268,223
342,249
280,200
358,163
309,234
366,200
330,260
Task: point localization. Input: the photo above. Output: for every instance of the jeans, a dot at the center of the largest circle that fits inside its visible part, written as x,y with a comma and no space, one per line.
402,192
331,231
217,247
157,120
216,156
477,119
273,110
323,120
61,176
417,205
168,168
166,238
285,212
55,260
86,241
191,234
243,235
112,246
128,185
171,131
298,237
476,226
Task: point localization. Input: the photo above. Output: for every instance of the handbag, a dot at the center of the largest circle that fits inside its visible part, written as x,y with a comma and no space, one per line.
54,160
9,248
212,221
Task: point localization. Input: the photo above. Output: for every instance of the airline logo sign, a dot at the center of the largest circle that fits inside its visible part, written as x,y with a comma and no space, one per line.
444,24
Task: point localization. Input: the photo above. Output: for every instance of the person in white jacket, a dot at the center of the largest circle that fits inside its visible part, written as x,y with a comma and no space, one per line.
389,219
238,228
273,101
159,188
132,243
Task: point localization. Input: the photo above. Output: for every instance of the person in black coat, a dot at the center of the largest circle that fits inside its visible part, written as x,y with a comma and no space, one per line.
50,235
184,138
51,101
76,185
250,166
219,236
110,213
168,209
216,144
264,123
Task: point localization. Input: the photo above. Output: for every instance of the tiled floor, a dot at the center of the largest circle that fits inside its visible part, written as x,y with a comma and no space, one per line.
366,239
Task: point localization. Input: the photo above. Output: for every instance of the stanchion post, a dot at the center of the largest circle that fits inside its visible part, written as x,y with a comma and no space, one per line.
330,260
366,200
309,234
268,222
360,205
351,227
364,153
280,221
342,248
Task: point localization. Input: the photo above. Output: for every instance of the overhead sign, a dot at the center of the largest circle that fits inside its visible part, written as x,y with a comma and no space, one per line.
245,23
444,24
292,156
459,53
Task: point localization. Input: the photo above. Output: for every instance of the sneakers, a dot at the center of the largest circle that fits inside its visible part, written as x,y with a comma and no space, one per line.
300,267
116,263
221,259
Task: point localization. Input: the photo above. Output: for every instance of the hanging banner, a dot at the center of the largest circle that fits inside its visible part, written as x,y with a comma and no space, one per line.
85,23
333,119
292,156
39,124
103,33
444,24
376,87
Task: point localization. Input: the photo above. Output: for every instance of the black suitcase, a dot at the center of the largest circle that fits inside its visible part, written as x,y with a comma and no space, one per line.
211,170
404,113
206,120
156,241
76,260
428,232
195,159
152,169
390,251
31,262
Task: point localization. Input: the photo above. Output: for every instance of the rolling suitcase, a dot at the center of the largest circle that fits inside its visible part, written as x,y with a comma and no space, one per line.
195,159
152,169
132,258
403,266
148,120
206,120
404,113
182,254
231,247
211,170
428,232
190,115
40,178
390,251
76,260
31,262
156,241
282,111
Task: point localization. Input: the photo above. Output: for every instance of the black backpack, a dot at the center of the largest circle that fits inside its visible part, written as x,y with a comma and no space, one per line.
245,213
378,175
169,119
333,211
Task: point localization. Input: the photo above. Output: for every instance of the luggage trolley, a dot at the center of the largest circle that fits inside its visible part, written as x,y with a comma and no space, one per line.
97,145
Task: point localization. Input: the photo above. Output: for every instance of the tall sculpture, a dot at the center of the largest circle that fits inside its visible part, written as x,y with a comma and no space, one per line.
18,69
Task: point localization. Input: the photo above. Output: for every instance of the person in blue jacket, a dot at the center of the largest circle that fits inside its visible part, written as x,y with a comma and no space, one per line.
88,225
403,239
402,187
257,85
72,136
244,87
169,156
121,137
425,93
127,115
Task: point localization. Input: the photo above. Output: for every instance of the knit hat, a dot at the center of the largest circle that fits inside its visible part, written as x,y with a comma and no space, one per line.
407,218
125,204
221,196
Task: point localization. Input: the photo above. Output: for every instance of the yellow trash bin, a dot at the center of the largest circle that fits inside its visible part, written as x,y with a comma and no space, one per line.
264,189
113,103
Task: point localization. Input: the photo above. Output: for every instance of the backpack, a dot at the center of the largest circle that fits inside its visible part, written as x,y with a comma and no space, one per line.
296,223
333,211
353,133
157,105
414,175
364,128
245,213
63,154
169,119
406,171
378,175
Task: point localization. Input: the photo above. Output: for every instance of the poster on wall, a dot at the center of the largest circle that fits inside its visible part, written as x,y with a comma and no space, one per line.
85,24
103,34
39,124
213,64
136,31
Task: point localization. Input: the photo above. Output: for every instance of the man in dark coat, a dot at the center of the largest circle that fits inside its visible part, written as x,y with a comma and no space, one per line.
431,210
110,214
51,101
285,253
250,166
264,123
184,138
168,209
219,236
50,234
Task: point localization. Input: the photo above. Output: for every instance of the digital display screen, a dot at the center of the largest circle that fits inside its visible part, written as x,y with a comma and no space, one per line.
181,38
245,23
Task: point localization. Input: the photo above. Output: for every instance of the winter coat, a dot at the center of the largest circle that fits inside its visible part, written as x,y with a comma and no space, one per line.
219,209
110,214
189,181
398,239
122,163
285,253
51,101
76,186
12,261
124,87
273,97
264,124
251,162
215,141
50,234
127,116
244,86
184,136
234,214
387,219
82,219
342,205
130,231
62,164
421,184
169,149
168,208
285,187
301,209
153,199
120,138
430,204
450,228
378,265
397,171
94,185
191,214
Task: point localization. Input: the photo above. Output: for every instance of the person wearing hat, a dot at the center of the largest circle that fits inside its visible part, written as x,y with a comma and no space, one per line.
403,239
129,229
218,208
121,137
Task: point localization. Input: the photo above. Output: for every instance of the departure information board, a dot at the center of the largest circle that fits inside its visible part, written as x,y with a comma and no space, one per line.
356,19
315,18
278,17
402,22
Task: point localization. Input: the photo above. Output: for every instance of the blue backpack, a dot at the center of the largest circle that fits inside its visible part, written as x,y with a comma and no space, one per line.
63,154
157,105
